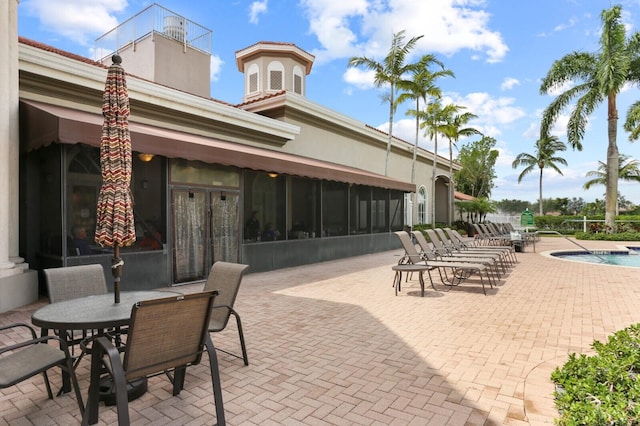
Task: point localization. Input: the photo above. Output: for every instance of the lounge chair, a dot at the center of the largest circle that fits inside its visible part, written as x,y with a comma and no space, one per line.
496,257
497,231
461,271
486,237
500,255
459,242
440,252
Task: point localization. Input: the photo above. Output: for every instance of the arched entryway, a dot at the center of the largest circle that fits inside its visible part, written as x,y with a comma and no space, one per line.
443,201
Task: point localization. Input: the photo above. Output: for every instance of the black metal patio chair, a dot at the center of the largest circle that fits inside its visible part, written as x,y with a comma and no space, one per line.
165,336
28,358
225,278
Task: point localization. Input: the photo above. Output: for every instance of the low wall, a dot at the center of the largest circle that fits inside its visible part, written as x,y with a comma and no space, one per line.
18,290
267,256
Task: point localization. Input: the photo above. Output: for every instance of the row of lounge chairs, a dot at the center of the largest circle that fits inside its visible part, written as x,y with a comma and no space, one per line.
502,234
454,259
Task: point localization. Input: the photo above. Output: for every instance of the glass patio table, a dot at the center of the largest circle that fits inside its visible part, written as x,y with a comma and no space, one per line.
97,312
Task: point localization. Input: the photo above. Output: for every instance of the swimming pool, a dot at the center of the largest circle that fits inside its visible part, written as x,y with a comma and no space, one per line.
629,257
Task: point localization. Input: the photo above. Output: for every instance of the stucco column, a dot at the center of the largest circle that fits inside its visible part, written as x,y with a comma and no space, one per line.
9,142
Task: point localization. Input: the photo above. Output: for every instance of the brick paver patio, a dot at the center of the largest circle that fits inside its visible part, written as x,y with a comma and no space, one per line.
330,344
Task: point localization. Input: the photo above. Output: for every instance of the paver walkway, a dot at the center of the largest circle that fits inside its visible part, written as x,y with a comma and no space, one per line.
330,344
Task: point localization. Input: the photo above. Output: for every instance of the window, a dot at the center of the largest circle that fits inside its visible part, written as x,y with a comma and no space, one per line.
360,209
84,180
335,214
266,197
276,76
275,80
304,207
253,73
396,204
380,208
297,79
422,205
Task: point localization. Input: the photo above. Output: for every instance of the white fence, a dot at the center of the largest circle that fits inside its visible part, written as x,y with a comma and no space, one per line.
512,219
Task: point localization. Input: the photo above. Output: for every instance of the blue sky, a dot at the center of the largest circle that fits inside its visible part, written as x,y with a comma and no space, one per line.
498,49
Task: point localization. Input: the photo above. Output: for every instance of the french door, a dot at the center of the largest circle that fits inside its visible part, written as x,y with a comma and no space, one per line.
205,230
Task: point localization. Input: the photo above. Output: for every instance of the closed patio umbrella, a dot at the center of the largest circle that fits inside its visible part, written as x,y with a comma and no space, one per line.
114,222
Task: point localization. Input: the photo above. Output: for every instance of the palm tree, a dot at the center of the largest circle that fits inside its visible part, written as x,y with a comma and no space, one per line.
454,129
434,119
421,87
628,170
389,72
599,76
543,158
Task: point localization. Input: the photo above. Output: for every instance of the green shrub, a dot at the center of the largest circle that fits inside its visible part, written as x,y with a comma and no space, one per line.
603,236
601,389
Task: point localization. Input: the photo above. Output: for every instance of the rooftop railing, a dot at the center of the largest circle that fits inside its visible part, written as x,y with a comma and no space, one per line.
154,19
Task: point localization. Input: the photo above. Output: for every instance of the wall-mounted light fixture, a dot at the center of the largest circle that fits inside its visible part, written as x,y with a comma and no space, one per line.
145,157
273,175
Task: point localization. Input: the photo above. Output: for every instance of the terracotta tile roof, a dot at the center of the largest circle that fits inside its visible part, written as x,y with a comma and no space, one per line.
262,98
272,43
60,52
462,196
86,60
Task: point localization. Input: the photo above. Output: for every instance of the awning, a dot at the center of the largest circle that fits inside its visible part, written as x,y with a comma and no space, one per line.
45,124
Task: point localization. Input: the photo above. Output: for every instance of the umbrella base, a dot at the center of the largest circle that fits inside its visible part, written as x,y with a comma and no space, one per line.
135,389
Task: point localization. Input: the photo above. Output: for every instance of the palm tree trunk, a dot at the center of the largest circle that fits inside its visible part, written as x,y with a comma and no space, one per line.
613,155
433,181
540,192
390,136
415,145
413,163
451,188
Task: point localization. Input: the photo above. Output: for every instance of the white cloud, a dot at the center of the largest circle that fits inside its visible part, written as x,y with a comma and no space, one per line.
509,83
359,78
78,20
493,113
256,9
216,68
572,22
365,28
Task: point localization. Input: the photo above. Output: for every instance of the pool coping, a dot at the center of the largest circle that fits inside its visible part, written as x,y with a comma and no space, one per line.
621,249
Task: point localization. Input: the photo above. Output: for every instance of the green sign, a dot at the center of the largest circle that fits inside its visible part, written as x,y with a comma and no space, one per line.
526,219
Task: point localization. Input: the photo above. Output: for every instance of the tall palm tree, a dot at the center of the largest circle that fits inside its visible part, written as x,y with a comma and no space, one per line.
544,158
598,76
389,72
421,87
454,129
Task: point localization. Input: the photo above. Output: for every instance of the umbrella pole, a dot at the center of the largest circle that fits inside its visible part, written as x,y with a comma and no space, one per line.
116,270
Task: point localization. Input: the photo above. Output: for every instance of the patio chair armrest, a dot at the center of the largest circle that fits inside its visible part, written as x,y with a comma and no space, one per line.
37,340
20,325
103,346
223,306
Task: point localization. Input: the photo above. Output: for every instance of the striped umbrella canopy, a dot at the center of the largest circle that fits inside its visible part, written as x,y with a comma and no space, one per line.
115,223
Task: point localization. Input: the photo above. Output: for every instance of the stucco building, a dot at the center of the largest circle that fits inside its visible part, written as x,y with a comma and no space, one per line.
202,167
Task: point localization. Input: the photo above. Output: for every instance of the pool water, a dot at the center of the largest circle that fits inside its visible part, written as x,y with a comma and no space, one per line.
605,257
